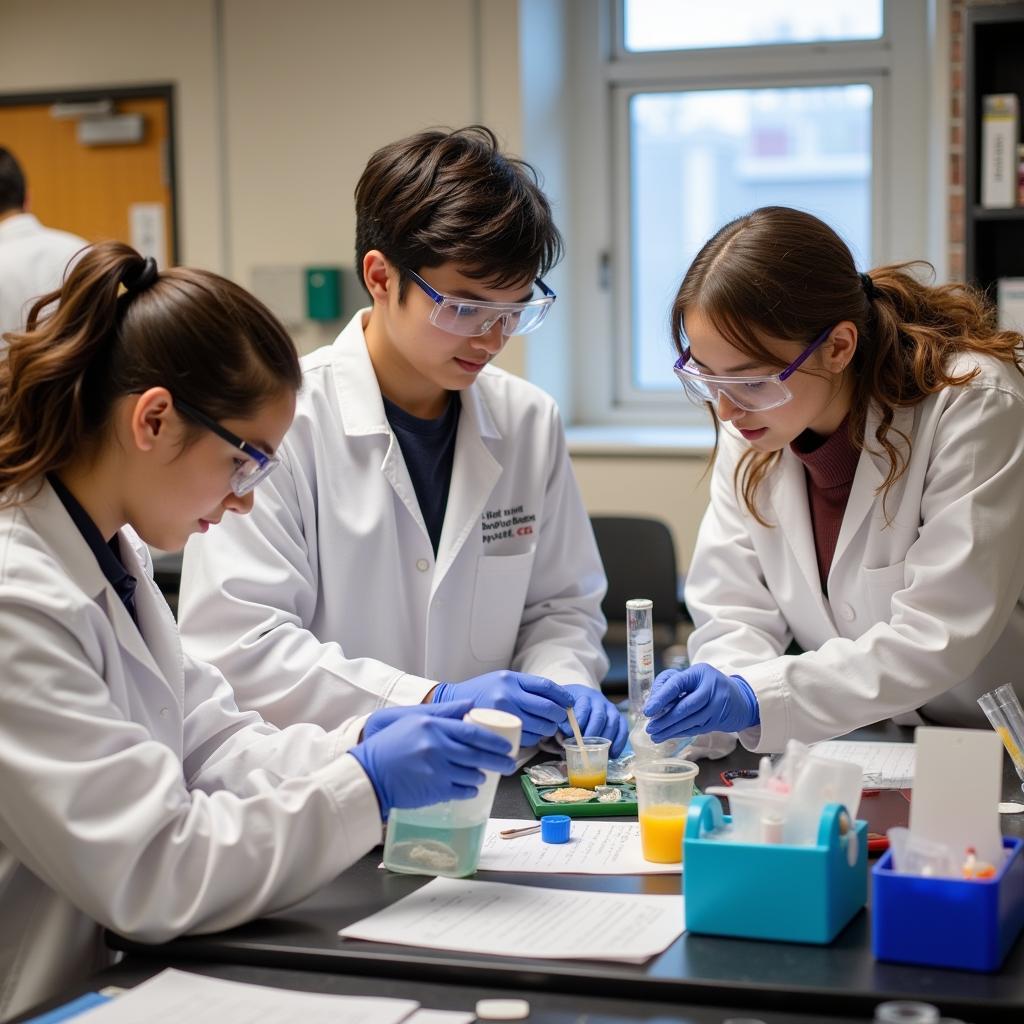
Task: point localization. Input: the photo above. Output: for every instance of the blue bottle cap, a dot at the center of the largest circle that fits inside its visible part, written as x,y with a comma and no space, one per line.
554,828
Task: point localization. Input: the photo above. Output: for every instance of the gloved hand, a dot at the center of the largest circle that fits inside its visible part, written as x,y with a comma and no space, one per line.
539,702
425,759
597,716
388,716
699,699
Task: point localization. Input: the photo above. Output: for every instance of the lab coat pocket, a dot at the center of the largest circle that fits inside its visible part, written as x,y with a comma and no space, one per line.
880,584
498,599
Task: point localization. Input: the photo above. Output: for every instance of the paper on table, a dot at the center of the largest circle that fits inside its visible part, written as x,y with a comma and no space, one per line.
441,1017
499,919
175,996
885,765
596,848
956,791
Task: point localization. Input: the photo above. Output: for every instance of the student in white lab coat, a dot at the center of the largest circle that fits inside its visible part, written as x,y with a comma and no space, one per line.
33,257
866,497
425,537
135,794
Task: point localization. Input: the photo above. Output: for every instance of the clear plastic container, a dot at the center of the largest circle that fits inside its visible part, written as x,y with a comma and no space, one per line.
640,653
1002,708
446,838
664,790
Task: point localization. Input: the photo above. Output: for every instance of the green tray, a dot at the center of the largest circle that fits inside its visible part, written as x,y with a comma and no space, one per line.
585,809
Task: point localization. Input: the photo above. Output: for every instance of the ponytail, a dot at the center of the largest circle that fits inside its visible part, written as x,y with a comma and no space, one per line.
119,327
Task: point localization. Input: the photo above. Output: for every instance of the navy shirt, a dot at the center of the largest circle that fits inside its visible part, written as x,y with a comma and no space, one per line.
428,447
107,554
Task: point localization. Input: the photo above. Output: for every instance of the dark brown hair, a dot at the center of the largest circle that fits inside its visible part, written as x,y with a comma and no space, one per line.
12,182
452,196
205,339
779,273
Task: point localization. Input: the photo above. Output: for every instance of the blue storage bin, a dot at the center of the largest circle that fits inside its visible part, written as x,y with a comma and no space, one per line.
781,892
948,922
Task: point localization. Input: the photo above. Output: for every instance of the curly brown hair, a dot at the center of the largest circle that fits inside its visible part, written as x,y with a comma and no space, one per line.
204,338
779,273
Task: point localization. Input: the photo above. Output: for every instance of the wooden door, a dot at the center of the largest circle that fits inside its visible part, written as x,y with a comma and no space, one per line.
120,191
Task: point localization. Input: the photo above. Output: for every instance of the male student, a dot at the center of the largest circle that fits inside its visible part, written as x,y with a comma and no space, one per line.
424,535
33,258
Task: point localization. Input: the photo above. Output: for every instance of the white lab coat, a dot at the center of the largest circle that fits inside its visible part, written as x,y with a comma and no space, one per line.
924,606
327,601
135,795
33,259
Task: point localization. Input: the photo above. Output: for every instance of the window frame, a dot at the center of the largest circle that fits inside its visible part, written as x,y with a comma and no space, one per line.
610,75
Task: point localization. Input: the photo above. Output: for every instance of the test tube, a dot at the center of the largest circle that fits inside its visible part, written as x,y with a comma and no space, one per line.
640,653
1003,710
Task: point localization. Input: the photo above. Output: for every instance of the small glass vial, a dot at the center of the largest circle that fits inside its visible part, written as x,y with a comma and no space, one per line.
640,653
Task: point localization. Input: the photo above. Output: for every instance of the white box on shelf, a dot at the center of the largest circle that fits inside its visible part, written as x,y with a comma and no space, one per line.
1000,131
1010,300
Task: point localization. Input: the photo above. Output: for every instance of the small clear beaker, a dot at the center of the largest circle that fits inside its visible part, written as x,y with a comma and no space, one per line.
1002,708
587,766
664,790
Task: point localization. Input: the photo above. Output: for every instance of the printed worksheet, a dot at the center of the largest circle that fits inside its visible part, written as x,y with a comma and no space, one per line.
885,765
498,919
594,848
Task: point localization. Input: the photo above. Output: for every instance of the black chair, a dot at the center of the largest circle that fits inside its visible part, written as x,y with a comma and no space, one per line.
640,561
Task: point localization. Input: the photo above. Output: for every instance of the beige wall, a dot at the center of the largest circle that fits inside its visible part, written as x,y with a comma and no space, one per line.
305,91
673,488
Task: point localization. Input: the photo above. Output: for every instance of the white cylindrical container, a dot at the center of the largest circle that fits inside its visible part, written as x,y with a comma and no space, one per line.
445,839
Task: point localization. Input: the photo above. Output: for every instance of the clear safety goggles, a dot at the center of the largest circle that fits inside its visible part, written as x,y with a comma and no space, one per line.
470,318
255,467
752,394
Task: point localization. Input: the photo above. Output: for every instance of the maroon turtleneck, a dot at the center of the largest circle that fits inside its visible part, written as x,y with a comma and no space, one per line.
830,464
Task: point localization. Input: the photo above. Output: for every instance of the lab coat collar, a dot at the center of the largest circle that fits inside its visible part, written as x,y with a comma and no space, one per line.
360,403
872,468
161,656
18,225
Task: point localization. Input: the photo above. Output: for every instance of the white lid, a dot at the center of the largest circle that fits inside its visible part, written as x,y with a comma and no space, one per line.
639,604
504,724
502,1009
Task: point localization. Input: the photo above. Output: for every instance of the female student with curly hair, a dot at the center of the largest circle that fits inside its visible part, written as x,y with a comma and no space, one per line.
866,496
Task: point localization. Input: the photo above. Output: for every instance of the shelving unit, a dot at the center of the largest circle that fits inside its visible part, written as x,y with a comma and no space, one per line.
993,62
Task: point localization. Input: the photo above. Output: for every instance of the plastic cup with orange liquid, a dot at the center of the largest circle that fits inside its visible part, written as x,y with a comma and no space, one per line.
587,766
664,789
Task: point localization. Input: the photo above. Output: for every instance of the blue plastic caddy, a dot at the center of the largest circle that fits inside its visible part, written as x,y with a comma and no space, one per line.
948,922
779,892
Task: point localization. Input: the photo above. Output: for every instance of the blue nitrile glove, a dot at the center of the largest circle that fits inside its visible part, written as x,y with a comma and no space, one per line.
419,760
539,702
388,716
699,699
597,716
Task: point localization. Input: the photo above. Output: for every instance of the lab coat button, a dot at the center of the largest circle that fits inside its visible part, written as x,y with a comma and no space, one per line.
423,565
163,712
847,612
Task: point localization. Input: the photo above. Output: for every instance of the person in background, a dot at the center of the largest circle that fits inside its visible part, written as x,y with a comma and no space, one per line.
425,539
33,258
136,796
865,498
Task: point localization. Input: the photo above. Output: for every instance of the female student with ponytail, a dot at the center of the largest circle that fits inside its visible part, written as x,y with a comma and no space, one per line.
135,794
866,497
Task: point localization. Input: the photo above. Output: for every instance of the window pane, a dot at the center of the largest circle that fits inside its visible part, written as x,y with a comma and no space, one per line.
699,159
693,25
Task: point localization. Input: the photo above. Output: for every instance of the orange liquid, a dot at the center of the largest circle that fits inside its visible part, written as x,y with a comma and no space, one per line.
588,780
661,833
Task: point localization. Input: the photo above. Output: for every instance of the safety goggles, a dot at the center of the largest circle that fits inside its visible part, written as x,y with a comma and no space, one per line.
470,318
753,394
256,467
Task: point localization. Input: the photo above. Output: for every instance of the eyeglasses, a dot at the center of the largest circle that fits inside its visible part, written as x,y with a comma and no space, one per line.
256,467
754,394
470,318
